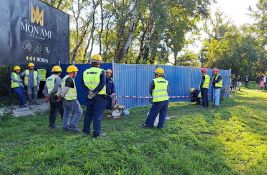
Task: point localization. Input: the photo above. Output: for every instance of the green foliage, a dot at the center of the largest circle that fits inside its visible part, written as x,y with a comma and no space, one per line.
231,140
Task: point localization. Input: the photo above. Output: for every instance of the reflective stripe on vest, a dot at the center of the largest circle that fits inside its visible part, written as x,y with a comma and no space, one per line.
206,83
160,92
72,92
220,83
91,79
50,83
42,74
13,83
26,77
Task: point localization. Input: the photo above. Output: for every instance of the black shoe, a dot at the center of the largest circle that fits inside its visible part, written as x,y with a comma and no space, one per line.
66,128
143,125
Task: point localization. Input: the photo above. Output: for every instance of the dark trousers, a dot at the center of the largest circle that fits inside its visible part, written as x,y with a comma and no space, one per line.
205,97
160,108
246,83
94,113
20,92
109,102
54,106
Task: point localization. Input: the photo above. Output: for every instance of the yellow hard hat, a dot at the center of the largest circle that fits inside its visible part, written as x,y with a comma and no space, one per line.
97,58
56,69
72,68
159,71
17,68
30,65
192,89
109,71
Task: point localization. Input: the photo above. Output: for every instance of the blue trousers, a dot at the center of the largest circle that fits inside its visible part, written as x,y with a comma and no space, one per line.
20,92
205,97
216,96
69,107
109,102
94,113
160,108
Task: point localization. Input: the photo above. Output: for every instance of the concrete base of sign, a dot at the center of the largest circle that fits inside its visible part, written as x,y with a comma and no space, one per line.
31,110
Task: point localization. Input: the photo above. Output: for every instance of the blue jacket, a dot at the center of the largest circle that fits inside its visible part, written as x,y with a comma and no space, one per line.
110,88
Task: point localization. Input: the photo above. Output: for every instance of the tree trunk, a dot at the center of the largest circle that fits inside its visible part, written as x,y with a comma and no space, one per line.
102,26
126,46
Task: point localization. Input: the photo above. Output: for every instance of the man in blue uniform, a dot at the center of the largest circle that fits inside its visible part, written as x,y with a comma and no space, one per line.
94,80
204,87
217,84
110,89
159,91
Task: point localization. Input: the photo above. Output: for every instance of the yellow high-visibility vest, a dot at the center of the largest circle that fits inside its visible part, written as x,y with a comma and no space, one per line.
206,83
220,83
26,77
50,83
160,92
13,83
72,92
91,79
42,74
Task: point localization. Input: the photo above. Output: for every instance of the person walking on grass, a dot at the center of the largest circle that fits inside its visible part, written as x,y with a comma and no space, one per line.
50,92
160,100
32,81
217,84
239,82
17,86
70,102
204,87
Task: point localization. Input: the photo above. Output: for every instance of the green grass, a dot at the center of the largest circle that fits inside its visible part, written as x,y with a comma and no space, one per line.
231,140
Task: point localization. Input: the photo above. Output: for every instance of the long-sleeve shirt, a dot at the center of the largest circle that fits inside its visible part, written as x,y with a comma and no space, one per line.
17,80
55,89
110,88
216,81
31,78
101,84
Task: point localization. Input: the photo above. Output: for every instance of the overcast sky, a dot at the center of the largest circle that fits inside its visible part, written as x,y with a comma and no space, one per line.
236,10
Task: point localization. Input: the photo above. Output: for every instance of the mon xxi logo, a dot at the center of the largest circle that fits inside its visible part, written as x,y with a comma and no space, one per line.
37,16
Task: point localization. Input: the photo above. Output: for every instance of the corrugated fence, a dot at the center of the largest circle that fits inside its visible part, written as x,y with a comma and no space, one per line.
132,82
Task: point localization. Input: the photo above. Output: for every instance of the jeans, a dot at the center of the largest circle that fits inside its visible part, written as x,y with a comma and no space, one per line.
160,108
205,97
20,92
32,92
94,113
54,106
216,96
69,107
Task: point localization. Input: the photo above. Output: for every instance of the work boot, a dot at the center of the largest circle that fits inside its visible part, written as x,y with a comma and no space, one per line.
75,130
66,128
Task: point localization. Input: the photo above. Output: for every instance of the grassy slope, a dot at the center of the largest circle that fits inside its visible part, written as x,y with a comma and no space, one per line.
232,140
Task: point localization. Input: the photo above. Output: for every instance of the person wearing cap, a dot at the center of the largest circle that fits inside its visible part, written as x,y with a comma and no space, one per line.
94,80
110,89
32,81
17,85
217,84
50,92
160,100
204,87
71,105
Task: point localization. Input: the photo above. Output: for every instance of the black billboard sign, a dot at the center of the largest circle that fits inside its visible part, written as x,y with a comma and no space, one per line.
32,31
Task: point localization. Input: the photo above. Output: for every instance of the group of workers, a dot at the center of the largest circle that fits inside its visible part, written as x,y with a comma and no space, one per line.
62,94
217,83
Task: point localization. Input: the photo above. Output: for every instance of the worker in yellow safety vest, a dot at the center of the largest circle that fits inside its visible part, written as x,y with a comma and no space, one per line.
52,85
17,85
32,81
217,84
70,101
94,80
204,87
160,99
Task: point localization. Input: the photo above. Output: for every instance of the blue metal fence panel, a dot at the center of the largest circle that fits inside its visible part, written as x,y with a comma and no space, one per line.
78,79
133,81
